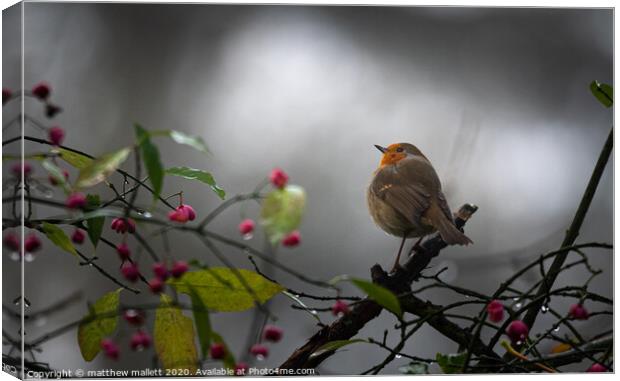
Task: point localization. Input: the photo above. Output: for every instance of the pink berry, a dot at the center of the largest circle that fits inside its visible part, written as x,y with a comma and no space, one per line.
272,333
246,226
56,135
140,340
11,241
278,178
6,95
110,348
160,271
182,214
53,180
76,201
130,271
340,308
123,225
578,312
597,368
259,350
217,351
156,285
41,90
292,239
134,317
179,268
495,311
241,369
517,331
123,251
17,169
32,243
78,236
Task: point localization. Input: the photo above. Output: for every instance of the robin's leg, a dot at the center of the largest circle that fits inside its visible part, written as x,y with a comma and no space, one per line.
397,262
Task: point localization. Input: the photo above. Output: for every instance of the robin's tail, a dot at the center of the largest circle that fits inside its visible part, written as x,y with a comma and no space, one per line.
448,231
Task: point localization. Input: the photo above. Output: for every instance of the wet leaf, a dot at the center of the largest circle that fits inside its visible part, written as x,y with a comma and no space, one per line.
174,337
603,92
451,363
379,294
220,289
100,323
333,345
150,156
195,142
282,211
57,174
414,367
197,174
202,322
76,160
58,237
99,169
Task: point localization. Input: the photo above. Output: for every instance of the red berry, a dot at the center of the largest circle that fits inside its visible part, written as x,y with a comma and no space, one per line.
110,348
78,236
597,368
123,251
6,95
56,135
340,308
160,271
11,241
292,239
495,311
241,369
179,268
578,312
53,180
517,331
134,317
218,351
123,225
272,333
41,90
32,243
278,178
259,350
156,285
76,201
130,271
246,226
17,169
140,340
182,214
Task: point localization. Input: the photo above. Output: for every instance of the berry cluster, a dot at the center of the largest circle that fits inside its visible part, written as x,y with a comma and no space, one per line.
139,340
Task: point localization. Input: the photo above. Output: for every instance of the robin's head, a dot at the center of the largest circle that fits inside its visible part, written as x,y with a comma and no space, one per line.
397,152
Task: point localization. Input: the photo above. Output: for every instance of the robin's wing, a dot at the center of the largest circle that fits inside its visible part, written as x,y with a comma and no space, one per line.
443,204
407,187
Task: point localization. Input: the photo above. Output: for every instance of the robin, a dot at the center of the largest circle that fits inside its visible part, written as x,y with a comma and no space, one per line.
405,198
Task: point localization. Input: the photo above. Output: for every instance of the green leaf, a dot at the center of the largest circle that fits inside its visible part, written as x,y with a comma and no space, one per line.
95,224
57,174
58,237
333,345
202,321
197,174
603,92
282,211
414,367
76,160
150,156
451,363
99,169
229,358
220,289
195,142
174,337
100,323
379,294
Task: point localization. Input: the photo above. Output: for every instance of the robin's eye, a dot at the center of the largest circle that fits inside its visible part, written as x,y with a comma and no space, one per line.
399,149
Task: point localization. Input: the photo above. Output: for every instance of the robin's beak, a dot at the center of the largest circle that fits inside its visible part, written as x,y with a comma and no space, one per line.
382,149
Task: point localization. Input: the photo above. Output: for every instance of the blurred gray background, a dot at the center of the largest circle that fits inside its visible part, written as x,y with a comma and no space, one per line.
497,99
